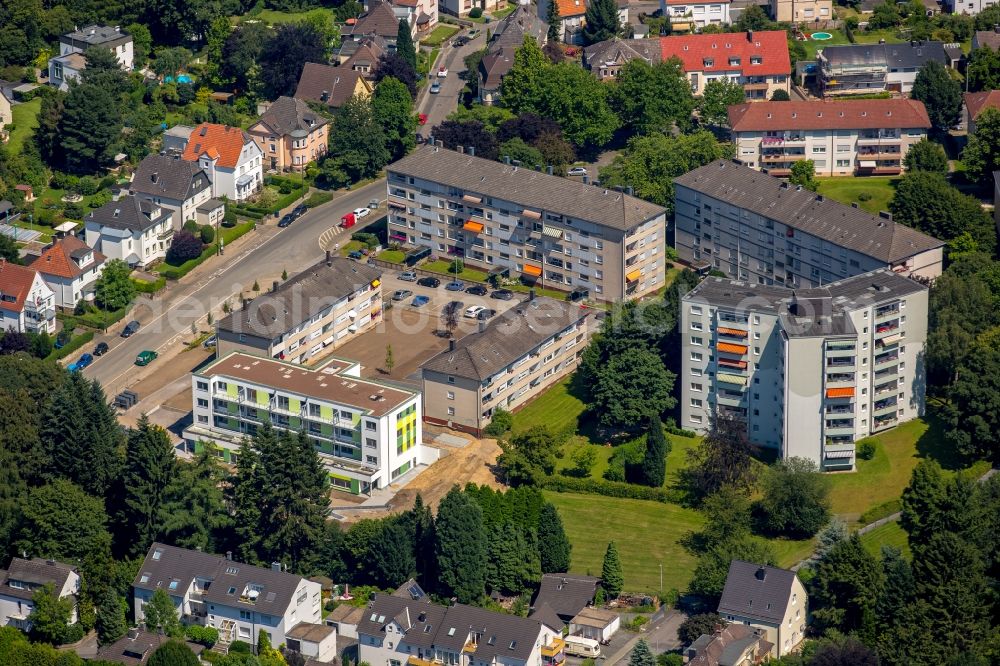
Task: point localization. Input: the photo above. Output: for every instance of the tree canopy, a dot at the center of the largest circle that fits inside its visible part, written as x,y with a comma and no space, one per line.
940,93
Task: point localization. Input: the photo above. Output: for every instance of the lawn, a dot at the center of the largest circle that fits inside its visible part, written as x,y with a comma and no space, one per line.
351,246
25,119
442,33
501,13
812,45
890,534
272,17
558,408
847,190
646,534
467,274
393,256
875,36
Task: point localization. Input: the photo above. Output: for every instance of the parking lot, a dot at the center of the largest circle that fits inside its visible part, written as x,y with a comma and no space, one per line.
415,333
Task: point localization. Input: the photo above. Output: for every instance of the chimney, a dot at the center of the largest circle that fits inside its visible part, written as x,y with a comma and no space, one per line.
885,215
586,179
506,159
274,286
482,326
472,150
275,566
460,149
750,36
329,260
531,294
133,633
629,190
761,573
451,345
548,169
229,555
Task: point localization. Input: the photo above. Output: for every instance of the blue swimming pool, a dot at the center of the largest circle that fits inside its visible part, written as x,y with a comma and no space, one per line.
181,78
821,36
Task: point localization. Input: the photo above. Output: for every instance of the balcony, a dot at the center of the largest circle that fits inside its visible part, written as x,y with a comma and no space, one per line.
554,652
417,661
732,332
887,311
886,358
839,431
839,378
840,362
730,348
884,422
886,388
840,409
876,139
883,407
889,373
887,328
732,364
782,157
793,140
729,399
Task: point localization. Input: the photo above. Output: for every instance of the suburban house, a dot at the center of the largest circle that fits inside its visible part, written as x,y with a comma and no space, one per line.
367,433
510,360
345,620
976,103
420,13
507,38
758,61
332,86
230,157
403,630
290,134
362,56
729,645
138,231
595,623
175,184
26,302
573,18
762,230
551,231
842,137
310,314
768,599
696,14
67,66
380,20
23,578
137,646
801,11
605,59
871,68
175,139
808,371
566,594
969,7
986,38
461,8
69,268
239,600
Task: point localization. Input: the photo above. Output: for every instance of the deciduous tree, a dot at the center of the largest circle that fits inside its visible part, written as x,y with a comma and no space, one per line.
285,54
113,289
983,69
61,521
796,498
926,201
632,387
804,174
941,94
392,109
713,566
698,625
982,153
653,98
393,65
527,455
926,155
173,653
718,96
723,458
50,615
468,133
240,53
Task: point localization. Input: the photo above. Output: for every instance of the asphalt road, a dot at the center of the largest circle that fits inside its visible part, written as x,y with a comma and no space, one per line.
440,106
167,320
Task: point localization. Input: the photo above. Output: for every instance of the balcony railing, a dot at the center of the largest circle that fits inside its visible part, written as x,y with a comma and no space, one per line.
840,362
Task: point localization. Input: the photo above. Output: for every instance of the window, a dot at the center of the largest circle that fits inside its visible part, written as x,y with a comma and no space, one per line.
695,386
451,380
695,340
696,356
202,386
695,402
451,411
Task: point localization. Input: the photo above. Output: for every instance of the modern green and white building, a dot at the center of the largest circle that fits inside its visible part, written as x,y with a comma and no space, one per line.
367,433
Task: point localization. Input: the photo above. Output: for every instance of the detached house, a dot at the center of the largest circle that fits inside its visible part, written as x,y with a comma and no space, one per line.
23,578
26,302
240,600
695,14
380,20
768,599
290,134
135,230
509,36
179,185
70,268
758,61
331,86
230,157
977,102
605,59
70,62
572,17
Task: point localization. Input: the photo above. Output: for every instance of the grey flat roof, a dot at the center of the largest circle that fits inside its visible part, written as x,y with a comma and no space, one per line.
98,34
531,189
844,226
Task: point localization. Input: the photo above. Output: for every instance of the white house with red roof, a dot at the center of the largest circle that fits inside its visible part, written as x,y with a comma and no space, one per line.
758,61
70,268
233,160
26,302
695,14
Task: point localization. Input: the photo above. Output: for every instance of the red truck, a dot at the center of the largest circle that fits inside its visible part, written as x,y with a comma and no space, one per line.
348,221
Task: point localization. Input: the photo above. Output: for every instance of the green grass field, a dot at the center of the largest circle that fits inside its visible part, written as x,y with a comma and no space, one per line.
890,534
847,190
812,45
25,118
468,274
273,17
439,35
646,534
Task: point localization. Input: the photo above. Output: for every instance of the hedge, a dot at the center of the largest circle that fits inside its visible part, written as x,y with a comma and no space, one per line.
146,287
73,345
318,199
879,511
565,484
228,235
206,636
101,319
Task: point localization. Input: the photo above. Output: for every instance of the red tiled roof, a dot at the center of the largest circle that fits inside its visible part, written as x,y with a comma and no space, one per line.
692,50
569,8
15,282
219,142
822,114
977,102
57,260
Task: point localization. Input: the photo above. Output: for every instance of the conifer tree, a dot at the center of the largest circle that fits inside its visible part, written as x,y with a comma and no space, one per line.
150,468
602,21
111,623
404,44
196,515
555,22
461,551
655,460
641,655
612,578
553,546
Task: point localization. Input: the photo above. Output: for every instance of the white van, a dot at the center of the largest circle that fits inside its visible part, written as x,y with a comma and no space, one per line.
582,647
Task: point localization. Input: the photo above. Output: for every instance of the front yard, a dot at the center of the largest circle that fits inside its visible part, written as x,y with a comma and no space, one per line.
439,35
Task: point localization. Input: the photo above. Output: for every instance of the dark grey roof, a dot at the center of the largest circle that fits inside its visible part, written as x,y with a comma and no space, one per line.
95,35
895,56
288,114
378,20
425,625
507,338
547,616
135,647
132,213
5,206
619,51
34,573
567,594
300,297
524,187
524,20
210,205
845,226
170,177
165,564
824,309
756,591
990,38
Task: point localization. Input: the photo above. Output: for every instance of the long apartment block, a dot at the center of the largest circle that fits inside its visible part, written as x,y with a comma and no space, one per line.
315,311
760,229
810,371
842,138
506,363
367,433
551,231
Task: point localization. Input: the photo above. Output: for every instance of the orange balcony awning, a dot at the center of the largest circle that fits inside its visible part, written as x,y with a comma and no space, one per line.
729,363
532,270
730,348
735,332
633,276
476,227
846,392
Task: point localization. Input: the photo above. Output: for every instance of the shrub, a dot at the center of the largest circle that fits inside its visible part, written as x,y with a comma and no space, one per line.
864,196
185,246
190,226
476,12
566,484
86,186
207,233
207,636
284,188
866,448
456,266
73,211
64,181
318,199
241,647
501,422
879,511
100,199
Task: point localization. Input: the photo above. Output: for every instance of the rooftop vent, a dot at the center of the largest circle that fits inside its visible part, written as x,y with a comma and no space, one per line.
761,573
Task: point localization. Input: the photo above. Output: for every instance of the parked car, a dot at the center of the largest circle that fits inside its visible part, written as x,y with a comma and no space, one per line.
357,254
101,349
299,210
477,290
435,88
63,338
473,311
459,42
130,329
211,342
502,294
401,294
145,357
408,276
362,212
286,221
442,72
421,301
81,363
422,119
486,314
577,171
455,285
431,282
473,34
